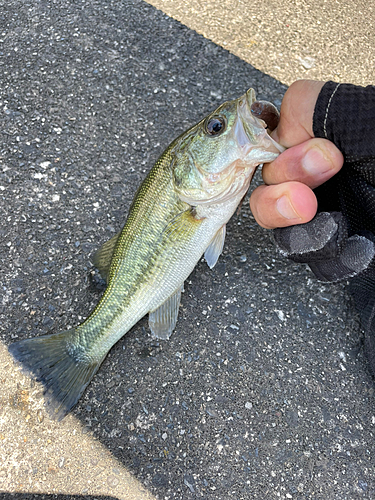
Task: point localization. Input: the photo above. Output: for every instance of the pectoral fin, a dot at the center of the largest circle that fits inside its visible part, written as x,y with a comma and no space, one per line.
215,247
102,257
163,320
182,224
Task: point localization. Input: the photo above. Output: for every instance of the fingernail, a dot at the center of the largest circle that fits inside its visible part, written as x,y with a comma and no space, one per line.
315,162
285,208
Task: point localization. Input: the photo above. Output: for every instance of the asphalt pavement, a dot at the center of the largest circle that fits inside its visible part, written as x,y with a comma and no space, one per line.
263,391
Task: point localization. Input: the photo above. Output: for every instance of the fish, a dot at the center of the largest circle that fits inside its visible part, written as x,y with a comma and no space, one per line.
178,214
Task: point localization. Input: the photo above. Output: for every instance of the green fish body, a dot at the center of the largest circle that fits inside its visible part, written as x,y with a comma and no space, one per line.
178,214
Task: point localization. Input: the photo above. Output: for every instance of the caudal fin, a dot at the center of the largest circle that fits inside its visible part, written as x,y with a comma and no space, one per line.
64,375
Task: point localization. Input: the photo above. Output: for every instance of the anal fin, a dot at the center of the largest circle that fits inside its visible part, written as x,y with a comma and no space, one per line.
215,247
163,320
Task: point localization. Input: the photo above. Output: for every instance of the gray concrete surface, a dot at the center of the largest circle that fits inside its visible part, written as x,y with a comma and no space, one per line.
263,391
289,40
41,456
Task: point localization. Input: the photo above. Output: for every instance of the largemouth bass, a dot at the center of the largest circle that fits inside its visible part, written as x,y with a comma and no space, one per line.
178,214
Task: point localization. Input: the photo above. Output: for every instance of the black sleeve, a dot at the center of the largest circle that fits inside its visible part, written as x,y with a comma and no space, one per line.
345,115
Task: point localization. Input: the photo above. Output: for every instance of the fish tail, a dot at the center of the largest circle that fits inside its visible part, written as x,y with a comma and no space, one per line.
64,373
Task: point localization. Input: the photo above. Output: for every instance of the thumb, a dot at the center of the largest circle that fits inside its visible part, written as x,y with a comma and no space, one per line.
296,114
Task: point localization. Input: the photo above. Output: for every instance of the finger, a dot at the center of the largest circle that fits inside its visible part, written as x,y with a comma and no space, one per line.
283,205
312,162
296,114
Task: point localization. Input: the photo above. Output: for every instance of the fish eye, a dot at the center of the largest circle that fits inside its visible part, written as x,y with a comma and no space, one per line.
215,126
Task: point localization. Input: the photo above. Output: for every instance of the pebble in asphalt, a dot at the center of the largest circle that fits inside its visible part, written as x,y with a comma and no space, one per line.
263,390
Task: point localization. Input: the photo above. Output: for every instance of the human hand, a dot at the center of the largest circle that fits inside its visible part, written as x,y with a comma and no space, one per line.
339,242
287,198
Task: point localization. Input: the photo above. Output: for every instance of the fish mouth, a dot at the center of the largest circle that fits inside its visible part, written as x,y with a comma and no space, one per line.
251,133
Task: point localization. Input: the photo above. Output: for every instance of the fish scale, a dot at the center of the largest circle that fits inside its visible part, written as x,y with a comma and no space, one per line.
178,214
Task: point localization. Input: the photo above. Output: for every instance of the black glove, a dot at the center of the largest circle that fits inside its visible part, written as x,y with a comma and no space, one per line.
339,242
323,243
